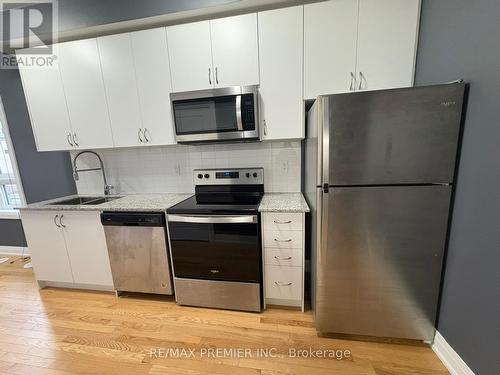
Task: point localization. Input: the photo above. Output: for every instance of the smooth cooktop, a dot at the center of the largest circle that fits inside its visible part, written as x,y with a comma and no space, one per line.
222,205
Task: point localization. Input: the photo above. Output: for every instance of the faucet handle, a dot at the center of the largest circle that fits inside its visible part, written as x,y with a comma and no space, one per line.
107,189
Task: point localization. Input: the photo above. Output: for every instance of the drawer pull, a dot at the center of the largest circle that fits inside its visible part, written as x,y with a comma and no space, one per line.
279,283
282,222
282,258
287,240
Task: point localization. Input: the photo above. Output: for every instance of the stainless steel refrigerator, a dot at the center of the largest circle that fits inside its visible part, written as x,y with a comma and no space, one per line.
379,172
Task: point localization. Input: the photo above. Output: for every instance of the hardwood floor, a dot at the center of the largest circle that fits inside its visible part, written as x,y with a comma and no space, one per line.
61,332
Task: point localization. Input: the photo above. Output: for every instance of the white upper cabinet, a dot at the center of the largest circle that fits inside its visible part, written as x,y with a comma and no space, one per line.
81,74
121,88
114,91
152,70
190,56
235,50
281,69
387,41
330,33
47,107
215,53
353,45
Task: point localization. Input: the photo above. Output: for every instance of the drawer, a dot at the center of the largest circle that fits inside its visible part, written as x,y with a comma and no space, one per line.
283,282
283,257
282,221
284,239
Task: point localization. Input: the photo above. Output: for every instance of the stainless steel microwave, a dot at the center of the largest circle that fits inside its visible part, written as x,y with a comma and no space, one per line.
223,114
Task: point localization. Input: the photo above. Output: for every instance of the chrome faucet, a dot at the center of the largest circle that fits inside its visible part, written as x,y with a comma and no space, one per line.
107,187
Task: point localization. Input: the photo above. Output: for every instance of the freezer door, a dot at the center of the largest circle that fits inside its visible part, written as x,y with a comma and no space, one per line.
401,136
379,260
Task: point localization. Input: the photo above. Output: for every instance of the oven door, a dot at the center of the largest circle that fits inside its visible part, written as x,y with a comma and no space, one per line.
216,114
218,247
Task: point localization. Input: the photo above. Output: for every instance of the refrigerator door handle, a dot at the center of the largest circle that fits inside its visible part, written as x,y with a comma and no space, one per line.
325,147
321,226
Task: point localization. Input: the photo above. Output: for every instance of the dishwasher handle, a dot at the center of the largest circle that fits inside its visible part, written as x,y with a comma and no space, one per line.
213,219
133,219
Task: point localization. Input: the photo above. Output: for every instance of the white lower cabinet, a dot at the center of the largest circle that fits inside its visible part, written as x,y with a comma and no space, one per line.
47,246
283,254
87,250
284,285
68,247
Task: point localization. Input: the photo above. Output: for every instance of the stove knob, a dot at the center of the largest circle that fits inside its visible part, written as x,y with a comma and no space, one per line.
247,175
207,175
255,174
200,175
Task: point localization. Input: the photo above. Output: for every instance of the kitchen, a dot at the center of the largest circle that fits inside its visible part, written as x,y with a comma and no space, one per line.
201,158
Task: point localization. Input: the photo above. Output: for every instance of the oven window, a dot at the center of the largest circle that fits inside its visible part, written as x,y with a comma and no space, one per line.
209,115
229,252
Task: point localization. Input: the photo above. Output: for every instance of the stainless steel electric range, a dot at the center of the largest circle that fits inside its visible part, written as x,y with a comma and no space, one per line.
215,240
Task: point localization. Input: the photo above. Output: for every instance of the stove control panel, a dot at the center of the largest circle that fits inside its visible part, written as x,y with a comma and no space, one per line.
235,176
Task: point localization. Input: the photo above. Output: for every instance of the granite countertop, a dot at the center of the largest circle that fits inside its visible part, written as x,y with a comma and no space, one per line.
131,202
271,202
283,202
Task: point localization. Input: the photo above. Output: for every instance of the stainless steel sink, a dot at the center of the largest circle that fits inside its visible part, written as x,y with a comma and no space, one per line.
78,201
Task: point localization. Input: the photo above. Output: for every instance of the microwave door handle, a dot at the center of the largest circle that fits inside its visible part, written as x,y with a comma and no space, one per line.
219,219
239,122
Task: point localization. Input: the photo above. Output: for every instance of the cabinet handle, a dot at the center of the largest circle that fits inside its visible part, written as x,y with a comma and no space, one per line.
146,132
68,137
209,76
216,75
282,258
287,240
279,283
75,139
55,221
361,77
352,86
282,222
61,222
265,127
139,135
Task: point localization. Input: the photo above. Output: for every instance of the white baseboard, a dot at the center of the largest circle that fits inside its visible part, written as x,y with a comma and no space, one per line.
449,357
14,250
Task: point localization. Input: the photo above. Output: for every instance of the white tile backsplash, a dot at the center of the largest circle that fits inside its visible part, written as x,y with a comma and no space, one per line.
169,169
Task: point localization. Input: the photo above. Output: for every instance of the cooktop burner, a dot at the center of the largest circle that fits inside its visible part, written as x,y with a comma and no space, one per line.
224,191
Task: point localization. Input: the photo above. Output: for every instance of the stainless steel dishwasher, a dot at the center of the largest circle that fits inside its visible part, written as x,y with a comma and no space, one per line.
138,254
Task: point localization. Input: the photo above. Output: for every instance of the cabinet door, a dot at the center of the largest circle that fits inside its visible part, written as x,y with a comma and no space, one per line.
190,56
235,50
387,43
281,69
330,32
121,88
82,80
46,245
46,101
152,70
87,250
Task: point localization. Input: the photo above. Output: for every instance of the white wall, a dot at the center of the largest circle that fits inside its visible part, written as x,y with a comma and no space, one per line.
169,169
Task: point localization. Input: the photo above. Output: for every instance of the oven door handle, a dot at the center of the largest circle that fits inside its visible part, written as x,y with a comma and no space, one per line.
218,219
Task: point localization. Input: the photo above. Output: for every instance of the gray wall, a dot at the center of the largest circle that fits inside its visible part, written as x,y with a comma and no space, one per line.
461,38
11,233
75,14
